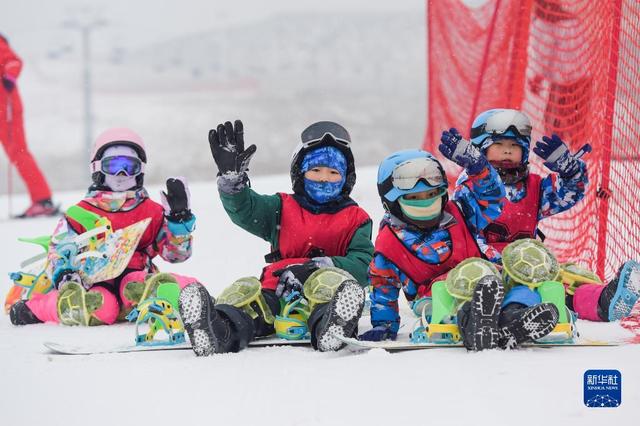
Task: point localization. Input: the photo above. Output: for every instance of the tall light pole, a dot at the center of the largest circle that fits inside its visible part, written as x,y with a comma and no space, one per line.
85,29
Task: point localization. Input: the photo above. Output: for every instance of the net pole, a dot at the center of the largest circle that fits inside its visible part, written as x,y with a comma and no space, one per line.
483,65
607,143
429,127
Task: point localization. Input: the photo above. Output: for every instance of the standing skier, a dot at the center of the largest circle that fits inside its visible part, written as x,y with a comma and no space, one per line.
13,138
117,193
424,235
316,233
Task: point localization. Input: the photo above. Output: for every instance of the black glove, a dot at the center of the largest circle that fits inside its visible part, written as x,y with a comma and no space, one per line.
292,278
227,148
8,84
176,201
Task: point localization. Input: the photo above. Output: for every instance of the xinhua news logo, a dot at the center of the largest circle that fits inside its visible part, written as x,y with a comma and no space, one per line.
602,388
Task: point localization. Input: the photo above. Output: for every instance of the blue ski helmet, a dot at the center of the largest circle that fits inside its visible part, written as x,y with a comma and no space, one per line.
427,175
502,123
407,172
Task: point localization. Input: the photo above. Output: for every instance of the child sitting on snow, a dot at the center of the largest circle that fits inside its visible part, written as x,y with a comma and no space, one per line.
315,232
117,165
504,136
424,235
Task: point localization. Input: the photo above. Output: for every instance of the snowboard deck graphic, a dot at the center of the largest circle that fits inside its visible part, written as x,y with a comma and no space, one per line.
97,255
115,251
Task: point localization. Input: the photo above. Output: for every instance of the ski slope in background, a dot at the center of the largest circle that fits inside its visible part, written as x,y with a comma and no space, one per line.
287,386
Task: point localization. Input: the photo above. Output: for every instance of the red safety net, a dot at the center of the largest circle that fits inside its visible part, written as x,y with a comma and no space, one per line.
573,66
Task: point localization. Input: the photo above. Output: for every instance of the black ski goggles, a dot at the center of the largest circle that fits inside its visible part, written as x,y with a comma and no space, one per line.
315,133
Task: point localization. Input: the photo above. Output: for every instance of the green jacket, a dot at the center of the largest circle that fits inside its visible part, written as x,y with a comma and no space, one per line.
260,215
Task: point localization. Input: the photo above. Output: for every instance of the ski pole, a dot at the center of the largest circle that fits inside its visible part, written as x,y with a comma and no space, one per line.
10,165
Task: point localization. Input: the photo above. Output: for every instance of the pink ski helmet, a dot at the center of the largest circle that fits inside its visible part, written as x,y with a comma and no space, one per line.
112,137
118,136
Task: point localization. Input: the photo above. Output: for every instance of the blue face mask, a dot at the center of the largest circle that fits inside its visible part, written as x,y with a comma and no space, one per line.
326,156
323,192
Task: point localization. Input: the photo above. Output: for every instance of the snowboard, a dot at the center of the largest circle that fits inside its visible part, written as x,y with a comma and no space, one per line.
97,255
398,346
109,256
63,349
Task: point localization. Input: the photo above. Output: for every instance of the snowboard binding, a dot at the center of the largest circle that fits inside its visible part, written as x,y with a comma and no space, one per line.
158,314
446,297
291,324
437,317
529,263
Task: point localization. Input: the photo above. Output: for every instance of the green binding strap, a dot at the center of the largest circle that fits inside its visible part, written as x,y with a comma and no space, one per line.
443,304
43,241
84,217
553,292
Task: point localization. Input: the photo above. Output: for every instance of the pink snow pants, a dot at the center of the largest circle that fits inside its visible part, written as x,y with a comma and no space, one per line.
44,306
585,301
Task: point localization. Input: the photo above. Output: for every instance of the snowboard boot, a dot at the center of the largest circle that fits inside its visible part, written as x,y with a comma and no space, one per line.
520,324
40,209
339,317
76,306
478,319
20,314
213,329
621,294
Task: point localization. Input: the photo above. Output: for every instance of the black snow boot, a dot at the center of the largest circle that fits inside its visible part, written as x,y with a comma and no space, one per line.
20,314
520,324
478,319
213,329
339,317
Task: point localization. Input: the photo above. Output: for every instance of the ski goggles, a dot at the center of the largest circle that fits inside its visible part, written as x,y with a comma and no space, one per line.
406,175
131,166
315,133
503,121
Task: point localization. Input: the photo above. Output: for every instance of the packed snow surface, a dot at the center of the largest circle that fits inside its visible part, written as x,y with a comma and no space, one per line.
287,385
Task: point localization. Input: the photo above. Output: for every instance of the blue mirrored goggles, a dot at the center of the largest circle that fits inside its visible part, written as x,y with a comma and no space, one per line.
131,166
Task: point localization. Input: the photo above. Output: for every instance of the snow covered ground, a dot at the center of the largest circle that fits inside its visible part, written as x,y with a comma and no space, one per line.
287,386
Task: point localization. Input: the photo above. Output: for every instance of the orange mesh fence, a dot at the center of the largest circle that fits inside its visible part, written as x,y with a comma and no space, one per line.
573,66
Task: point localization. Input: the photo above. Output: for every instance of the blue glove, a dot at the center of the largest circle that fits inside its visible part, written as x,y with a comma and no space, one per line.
557,156
462,152
378,333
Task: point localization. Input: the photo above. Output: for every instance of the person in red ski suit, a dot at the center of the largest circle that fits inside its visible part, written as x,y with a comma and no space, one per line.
13,137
